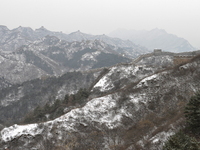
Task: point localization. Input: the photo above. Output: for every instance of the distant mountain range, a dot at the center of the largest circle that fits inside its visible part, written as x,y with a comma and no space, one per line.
156,38
10,40
27,54
51,56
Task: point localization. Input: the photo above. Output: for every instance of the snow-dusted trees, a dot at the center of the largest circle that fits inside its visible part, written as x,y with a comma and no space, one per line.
192,112
185,140
181,141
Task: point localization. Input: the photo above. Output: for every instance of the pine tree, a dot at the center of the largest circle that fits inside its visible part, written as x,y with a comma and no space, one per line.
192,113
46,108
181,141
66,99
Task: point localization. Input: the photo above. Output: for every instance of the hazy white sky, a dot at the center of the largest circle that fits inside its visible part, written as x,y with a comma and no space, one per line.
180,17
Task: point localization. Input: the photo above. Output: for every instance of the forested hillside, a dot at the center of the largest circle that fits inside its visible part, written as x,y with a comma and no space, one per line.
138,113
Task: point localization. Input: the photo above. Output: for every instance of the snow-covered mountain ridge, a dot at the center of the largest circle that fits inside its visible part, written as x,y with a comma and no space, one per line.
139,113
134,105
10,40
52,56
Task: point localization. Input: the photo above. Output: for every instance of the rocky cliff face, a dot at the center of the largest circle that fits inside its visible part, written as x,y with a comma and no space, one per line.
139,112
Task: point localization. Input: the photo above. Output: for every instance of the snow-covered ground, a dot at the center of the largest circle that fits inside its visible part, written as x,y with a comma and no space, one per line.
117,73
7,134
162,136
97,110
144,81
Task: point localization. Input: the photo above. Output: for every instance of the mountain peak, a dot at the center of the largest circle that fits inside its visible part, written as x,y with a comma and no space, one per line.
155,38
23,29
103,35
2,27
42,28
76,33
158,30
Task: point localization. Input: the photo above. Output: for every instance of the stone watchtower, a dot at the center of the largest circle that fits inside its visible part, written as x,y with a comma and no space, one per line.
157,51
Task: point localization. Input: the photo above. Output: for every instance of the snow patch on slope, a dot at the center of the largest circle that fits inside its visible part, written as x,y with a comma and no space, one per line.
144,81
90,56
126,72
1,59
98,110
138,98
162,136
129,72
14,131
104,84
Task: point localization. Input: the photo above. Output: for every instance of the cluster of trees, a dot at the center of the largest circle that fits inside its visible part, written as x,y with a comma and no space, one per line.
49,112
187,138
35,93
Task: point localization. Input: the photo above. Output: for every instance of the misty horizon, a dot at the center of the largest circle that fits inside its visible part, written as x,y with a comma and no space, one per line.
102,17
110,34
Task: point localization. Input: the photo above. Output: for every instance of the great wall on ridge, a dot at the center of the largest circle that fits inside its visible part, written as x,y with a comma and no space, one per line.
178,58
